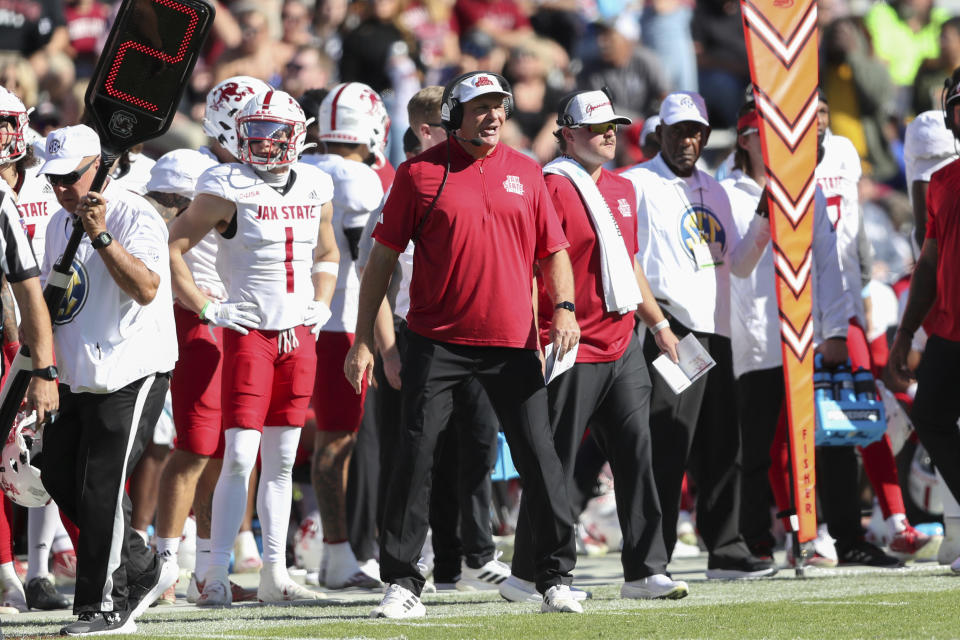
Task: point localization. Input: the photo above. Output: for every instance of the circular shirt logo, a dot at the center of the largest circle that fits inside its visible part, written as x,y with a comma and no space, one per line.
699,225
75,296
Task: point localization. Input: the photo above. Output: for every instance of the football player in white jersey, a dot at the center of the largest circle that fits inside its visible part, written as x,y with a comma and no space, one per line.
350,130
36,202
838,174
278,259
191,472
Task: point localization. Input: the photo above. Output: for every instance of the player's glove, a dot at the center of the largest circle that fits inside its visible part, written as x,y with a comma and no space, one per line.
315,316
238,316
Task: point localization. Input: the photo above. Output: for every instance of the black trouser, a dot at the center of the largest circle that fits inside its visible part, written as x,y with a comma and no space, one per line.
461,475
465,455
586,469
760,396
363,480
936,408
698,431
614,399
88,453
512,378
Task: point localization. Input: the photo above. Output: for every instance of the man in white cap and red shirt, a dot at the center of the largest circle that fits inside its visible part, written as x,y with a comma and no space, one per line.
608,388
688,247
481,217
115,346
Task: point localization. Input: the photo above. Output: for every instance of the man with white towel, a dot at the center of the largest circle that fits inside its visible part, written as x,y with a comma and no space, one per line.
609,387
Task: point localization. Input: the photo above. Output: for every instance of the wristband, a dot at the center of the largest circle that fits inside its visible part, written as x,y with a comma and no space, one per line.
333,268
660,326
203,311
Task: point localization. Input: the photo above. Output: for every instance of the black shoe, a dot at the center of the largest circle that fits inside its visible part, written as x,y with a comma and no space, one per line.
762,549
96,623
862,552
42,595
740,568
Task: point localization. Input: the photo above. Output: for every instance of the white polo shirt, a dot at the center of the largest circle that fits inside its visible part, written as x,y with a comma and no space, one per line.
674,216
104,340
755,313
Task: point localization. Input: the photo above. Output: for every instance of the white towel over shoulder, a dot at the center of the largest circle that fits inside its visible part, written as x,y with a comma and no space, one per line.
621,293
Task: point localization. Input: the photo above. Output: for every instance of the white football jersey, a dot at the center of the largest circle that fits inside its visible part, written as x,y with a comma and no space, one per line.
357,191
137,175
266,254
37,204
201,259
837,176
104,340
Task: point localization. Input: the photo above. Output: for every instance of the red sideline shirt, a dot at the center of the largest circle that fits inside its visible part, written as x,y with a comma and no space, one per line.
473,263
943,225
604,336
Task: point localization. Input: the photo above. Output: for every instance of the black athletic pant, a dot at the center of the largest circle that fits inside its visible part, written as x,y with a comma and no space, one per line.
936,408
88,453
760,396
362,482
464,458
586,469
512,378
614,399
698,431
460,500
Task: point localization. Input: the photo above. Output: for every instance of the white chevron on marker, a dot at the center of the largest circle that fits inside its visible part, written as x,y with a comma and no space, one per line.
794,211
790,132
786,51
795,278
798,343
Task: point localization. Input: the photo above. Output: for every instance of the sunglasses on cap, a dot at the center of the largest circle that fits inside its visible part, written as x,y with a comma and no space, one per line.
68,179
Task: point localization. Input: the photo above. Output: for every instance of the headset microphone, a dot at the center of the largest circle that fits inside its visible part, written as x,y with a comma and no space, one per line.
477,142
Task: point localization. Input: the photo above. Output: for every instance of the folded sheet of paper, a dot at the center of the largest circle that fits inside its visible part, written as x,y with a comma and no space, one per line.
694,359
554,366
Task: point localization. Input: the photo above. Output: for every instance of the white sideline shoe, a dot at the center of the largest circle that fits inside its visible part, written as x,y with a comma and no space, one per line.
216,593
558,599
655,587
487,578
399,602
515,589
283,590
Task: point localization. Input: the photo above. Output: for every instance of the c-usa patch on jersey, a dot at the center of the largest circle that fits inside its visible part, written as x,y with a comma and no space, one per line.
699,225
75,296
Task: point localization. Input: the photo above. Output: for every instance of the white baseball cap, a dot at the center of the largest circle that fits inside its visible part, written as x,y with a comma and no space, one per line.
684,106
927,146
588,107
477,85
66,147
178,171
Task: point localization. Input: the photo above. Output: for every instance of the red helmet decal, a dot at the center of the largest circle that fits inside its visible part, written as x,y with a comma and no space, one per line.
231,91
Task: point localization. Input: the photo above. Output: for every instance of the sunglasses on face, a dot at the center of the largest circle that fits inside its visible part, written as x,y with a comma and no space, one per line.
601,128
71,178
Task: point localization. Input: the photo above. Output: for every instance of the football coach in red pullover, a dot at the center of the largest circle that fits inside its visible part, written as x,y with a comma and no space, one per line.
480,216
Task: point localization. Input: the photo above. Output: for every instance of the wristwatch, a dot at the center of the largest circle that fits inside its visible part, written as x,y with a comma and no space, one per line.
47,373
566,304
102,241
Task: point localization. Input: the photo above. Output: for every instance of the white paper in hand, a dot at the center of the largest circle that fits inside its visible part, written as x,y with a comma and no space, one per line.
555,367
694,359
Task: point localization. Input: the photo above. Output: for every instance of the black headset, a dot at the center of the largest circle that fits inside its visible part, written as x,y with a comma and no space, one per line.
950,93
451,109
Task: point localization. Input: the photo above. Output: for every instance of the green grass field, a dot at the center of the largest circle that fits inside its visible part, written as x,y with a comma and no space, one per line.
922,601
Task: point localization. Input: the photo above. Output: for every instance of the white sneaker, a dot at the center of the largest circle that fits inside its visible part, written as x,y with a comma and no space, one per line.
486,578
308,544
950,547
283,590
655,587
340,569
216,592
683,550
169,573
193,590
515,589
558,599
372,568
14,598
398,602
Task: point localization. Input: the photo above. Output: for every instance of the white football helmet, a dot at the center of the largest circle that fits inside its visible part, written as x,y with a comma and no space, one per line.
274,119
13,143
224,102
353,113
19,479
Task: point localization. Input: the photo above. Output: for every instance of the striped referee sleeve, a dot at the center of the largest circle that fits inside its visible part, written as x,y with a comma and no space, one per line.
16,255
